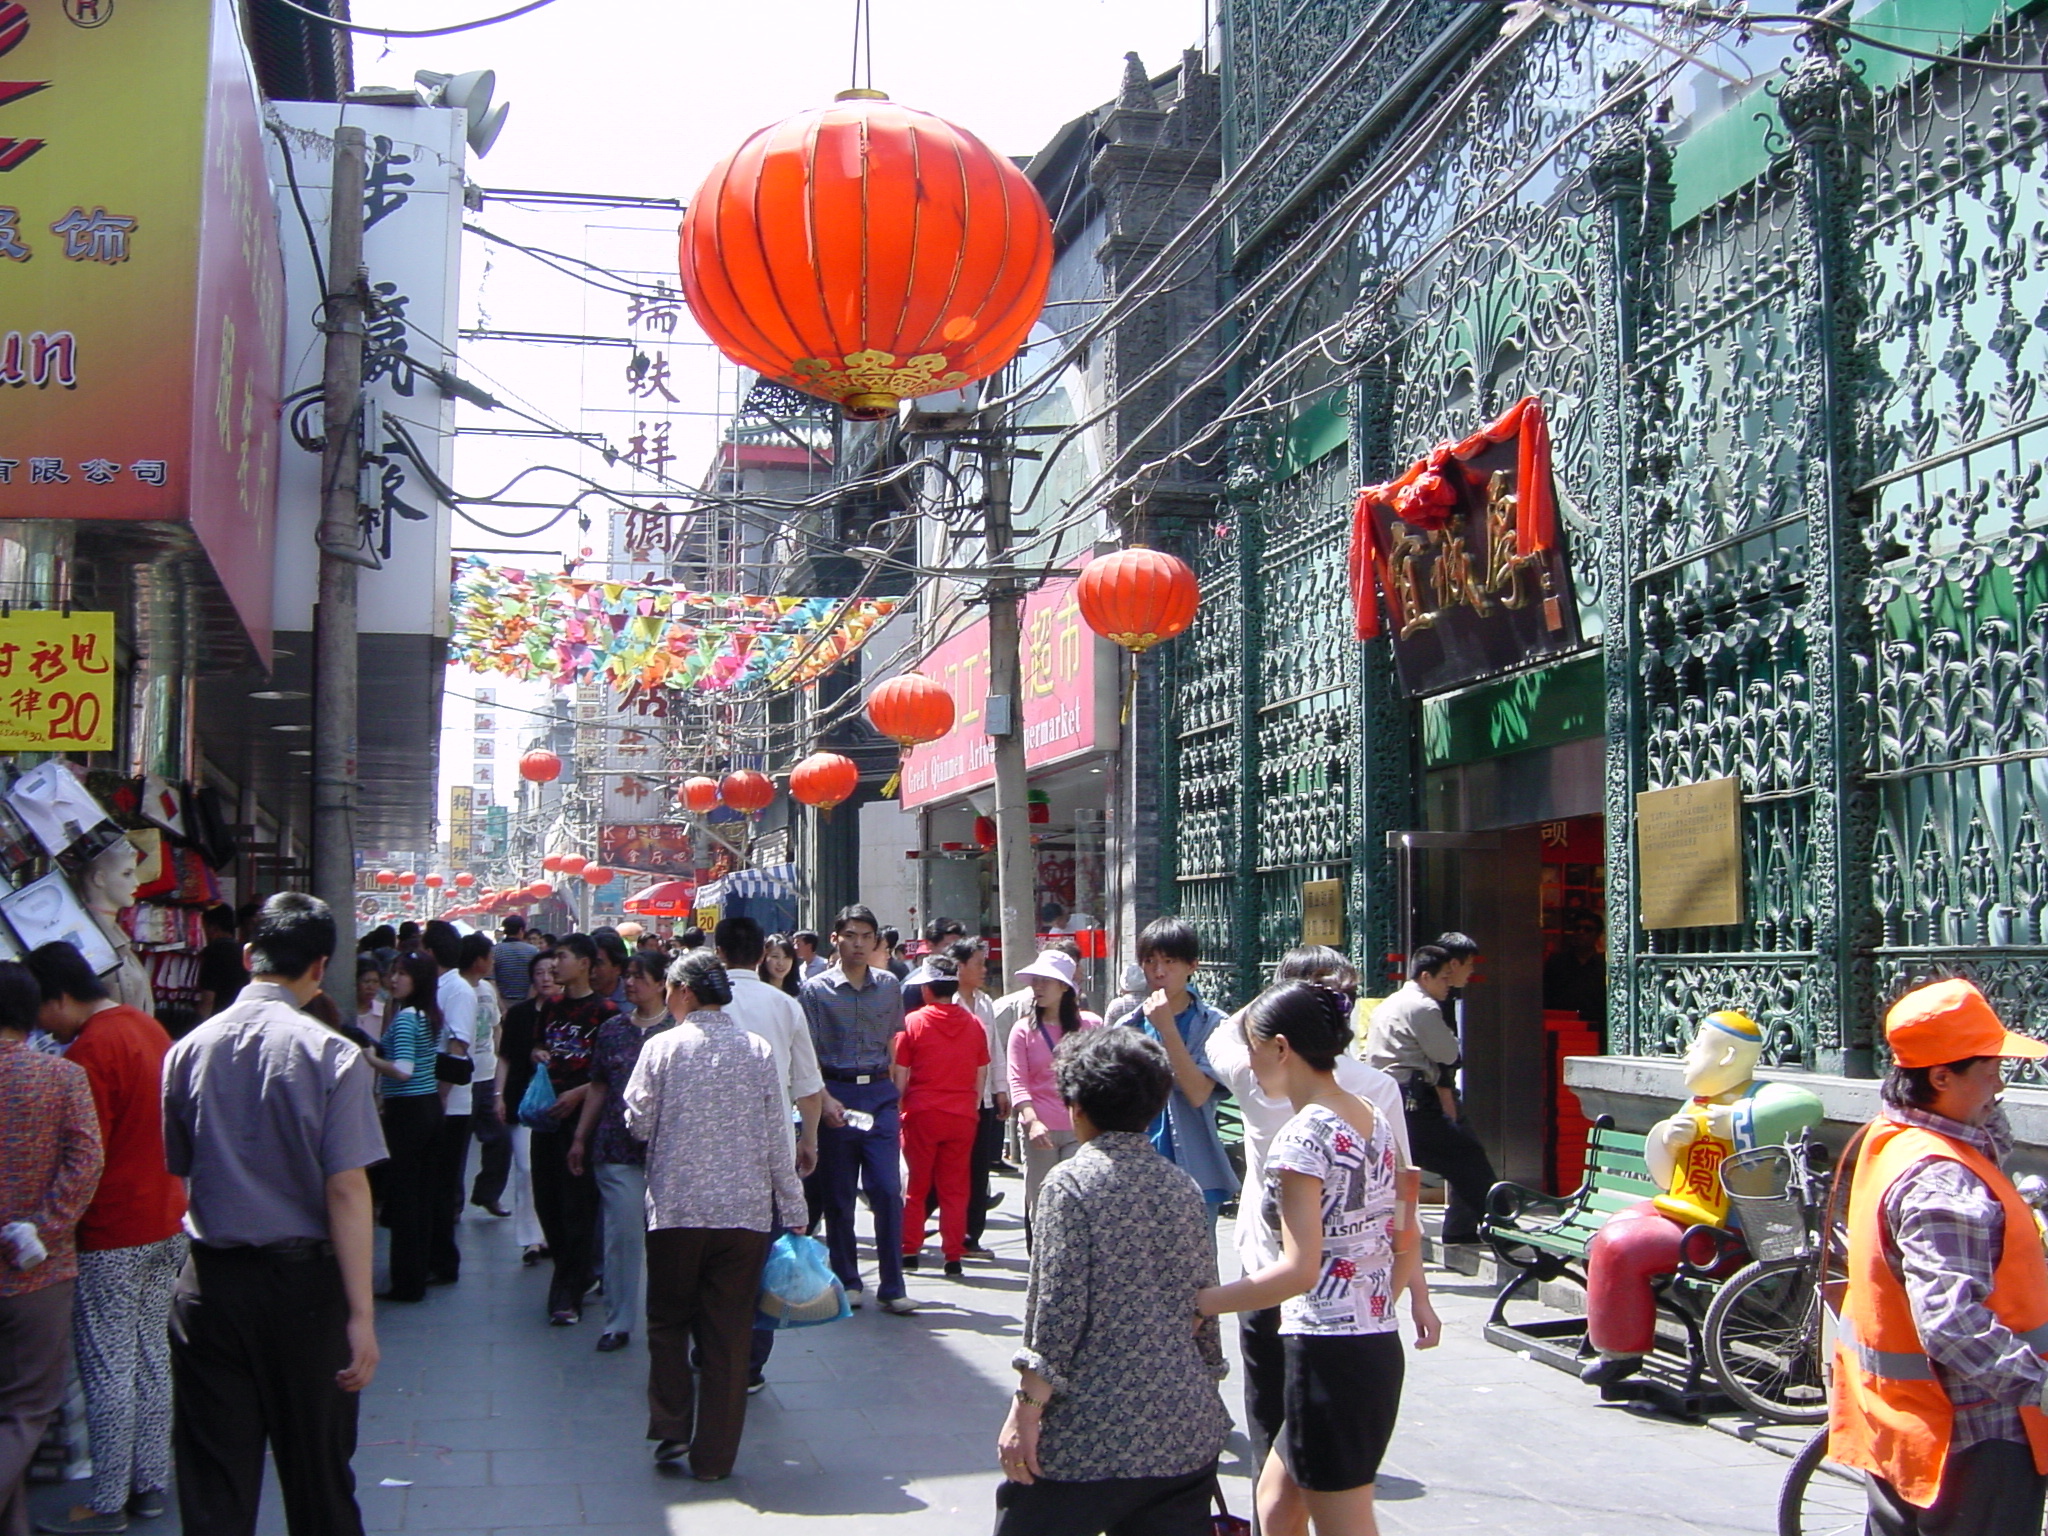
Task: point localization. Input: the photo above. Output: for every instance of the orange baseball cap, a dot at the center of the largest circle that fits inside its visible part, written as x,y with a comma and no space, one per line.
1948,1021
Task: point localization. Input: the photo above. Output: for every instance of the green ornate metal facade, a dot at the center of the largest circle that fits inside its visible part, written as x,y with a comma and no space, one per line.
1794,365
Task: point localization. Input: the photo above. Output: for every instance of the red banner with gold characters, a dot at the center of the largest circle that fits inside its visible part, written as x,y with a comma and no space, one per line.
141,336
56,682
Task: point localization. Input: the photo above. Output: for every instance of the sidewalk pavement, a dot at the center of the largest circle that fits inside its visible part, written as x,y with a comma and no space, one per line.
484,1419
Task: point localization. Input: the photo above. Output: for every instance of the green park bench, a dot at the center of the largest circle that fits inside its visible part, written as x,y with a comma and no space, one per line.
1540,1237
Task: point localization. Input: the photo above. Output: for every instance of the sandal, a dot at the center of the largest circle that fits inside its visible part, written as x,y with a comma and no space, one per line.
566,1318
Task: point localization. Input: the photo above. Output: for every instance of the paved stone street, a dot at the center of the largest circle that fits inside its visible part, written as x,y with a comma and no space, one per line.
494,1422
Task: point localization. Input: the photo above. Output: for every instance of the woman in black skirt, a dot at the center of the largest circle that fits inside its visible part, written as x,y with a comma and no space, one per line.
1349,1247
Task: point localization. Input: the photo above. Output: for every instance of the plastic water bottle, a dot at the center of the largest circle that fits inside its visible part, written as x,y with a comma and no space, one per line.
26,1245
858,1120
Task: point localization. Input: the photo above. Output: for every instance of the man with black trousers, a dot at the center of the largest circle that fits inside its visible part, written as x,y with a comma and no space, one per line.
272,1118
1411,1038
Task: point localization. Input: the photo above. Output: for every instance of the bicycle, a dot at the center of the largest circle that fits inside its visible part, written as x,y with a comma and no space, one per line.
1763,1333
1821,1497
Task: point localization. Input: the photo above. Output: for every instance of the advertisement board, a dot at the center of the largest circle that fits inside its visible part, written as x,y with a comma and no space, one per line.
141,333
1069,704
56,682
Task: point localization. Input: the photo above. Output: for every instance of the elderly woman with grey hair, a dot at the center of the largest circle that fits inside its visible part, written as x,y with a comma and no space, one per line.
1117,1420
707,1099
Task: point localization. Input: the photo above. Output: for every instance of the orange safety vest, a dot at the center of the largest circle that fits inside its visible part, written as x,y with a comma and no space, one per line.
1888,1414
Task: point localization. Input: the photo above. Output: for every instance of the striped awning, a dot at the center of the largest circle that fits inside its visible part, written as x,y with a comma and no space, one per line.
776,882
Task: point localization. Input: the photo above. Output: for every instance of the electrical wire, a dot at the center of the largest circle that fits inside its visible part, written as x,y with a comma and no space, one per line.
460,26
634,289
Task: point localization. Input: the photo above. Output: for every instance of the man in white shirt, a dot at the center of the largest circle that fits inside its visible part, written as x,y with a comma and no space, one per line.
449,1156
1230,1058
779,1020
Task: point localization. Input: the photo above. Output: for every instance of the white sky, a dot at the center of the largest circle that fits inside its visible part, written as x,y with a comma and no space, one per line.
643,97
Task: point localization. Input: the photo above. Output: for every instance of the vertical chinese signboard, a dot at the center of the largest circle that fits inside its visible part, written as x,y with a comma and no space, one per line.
1069,704
461,825
141,293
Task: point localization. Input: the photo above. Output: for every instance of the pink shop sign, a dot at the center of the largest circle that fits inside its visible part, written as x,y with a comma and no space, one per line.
1070,698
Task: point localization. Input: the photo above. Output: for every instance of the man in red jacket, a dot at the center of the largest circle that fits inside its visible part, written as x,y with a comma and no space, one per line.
938,1064
130,1244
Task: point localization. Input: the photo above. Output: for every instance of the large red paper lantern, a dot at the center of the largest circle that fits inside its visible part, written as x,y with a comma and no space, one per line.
433,882
408,878
540,890
824,779
1137,597
465,880
387,877
540,767
911,709
596,874
572,863
698,795
748,792
551,863
867,253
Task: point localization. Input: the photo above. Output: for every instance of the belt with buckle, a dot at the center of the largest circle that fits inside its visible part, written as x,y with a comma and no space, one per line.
834,1075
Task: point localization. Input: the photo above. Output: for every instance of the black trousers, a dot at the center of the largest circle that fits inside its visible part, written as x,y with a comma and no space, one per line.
256,1340
566,1204
702,1286
1444,1147
493,1146
411,1125
448,1158
988,1151
1110,1506
1988,1489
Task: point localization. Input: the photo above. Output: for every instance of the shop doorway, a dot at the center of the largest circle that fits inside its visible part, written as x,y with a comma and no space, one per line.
1528,895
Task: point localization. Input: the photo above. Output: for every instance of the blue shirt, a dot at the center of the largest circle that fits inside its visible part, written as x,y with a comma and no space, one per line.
852,1027
1186,1134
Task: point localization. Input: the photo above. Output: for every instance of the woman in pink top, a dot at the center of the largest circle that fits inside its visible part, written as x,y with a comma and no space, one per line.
1042,1119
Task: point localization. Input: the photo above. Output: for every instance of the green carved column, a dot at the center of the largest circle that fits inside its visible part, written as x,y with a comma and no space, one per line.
1828,110
1630,174
1388,772
1244,920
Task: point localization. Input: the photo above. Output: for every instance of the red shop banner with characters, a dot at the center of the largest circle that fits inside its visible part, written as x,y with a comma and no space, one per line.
1466,552
1069,707
655,848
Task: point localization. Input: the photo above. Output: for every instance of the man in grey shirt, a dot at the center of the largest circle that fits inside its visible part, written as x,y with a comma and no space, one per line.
273,1119
512,963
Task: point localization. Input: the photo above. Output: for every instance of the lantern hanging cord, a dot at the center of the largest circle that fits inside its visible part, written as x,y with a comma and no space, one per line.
863,46
460,26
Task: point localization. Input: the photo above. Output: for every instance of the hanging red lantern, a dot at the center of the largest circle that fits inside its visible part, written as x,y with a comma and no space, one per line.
465,880
911,709
552,863
867,253
387,877
985,831
573,863
698,795
747,791
1137,597
433,882
408,878
540,890
1038,808
540,767
824,779
596,874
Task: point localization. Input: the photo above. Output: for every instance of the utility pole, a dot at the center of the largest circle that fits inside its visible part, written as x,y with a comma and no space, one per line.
1016,881
334,620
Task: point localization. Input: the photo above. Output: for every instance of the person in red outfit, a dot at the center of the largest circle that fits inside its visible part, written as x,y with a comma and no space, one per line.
131,1244
938,1063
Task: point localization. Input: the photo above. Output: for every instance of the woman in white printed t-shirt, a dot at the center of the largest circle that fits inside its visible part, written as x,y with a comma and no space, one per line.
1349,1247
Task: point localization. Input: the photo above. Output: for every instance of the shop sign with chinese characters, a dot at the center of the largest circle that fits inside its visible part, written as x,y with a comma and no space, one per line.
140,344
57,682
1069,707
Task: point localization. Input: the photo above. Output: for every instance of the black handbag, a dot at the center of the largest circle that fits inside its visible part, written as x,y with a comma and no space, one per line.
456,1070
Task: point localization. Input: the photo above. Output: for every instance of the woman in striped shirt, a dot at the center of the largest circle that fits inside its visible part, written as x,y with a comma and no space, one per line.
412,1114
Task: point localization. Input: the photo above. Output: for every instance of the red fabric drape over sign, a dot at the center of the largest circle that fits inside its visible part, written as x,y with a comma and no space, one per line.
1535,507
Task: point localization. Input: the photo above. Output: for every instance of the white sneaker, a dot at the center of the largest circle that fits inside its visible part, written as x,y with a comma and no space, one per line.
856,1299
902,1306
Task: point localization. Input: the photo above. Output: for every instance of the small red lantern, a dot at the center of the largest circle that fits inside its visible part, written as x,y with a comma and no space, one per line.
699,795
748,792
866,253
985,831
911,709
387,877
824,779
552,863
573,863
596,874
1038,808
465,880
1137,597
540,767
408,878
540,890
433,882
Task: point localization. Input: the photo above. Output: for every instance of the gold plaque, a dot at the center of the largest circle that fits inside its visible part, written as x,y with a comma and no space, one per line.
1689,855
1322,912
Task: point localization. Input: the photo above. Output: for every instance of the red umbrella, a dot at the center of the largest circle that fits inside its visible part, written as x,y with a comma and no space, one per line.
668,898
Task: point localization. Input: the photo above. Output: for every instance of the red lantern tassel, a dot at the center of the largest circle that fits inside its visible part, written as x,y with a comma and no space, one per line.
1535,494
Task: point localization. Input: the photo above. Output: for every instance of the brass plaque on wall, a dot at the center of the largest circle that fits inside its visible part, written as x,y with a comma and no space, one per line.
1689,855
1322,912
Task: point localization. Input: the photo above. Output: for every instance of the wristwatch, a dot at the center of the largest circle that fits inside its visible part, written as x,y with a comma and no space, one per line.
1026,1400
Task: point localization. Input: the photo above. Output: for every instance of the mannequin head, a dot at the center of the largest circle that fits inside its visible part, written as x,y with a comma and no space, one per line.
1723,1056
110,879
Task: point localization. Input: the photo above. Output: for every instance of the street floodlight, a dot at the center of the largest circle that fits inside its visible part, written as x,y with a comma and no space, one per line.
471,92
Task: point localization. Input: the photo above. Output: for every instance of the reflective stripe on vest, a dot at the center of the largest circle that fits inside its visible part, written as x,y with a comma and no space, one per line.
1901,1365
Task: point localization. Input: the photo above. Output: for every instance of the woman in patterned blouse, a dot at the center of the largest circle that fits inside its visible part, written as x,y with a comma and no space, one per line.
1117,1421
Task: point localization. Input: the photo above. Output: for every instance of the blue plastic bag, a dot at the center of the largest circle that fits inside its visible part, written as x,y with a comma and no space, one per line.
798,1288
539,1099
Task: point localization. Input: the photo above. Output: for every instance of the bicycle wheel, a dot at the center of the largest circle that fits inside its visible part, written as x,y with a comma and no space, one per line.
1821,1497
1763,1343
